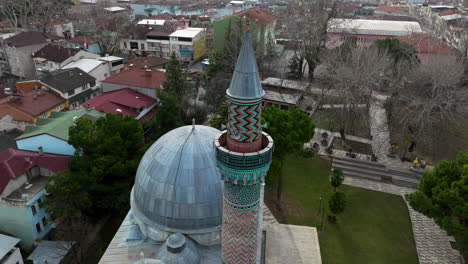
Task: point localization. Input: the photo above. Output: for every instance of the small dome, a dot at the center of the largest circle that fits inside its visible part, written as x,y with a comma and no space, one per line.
177,186
178,250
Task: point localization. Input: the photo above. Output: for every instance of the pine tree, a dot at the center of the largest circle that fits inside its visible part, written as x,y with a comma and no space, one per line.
176,81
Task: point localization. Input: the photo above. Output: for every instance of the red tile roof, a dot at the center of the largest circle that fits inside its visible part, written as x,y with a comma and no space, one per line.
163,16
425,43
123,100
449,12
150,61
82,39
13,163
255,15
390,9
139,78
55,53
34,102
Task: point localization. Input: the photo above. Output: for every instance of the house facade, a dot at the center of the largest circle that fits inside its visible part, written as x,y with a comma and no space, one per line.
24,175
188,44
15,52
74,85
89,44
51,134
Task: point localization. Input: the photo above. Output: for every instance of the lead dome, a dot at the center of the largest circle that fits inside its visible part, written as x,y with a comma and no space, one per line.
177,187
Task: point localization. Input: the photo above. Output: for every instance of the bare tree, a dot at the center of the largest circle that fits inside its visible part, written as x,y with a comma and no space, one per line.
432,100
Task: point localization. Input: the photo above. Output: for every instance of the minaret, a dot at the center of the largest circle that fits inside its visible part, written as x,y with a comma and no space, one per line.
243,154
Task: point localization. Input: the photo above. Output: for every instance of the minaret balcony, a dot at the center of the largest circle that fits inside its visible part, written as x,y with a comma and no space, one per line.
243,168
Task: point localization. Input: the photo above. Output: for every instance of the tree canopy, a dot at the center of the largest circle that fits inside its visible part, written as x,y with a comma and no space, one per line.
289,130
176,80
101,173
336,178
442,194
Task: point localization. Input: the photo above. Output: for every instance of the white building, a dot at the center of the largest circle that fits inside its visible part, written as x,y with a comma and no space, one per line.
9,253
94,67
114,63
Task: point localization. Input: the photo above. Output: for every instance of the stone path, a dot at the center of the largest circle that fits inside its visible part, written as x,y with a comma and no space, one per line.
432,243
330,106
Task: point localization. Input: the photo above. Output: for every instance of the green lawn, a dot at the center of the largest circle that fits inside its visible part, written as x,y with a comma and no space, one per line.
330,119
374,228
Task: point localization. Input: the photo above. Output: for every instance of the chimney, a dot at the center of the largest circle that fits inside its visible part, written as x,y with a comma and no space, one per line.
40,150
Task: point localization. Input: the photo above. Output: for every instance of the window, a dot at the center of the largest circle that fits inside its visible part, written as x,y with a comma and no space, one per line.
125,44
185,39
38,228
133,45
44,221
142,46
158,37
72,92
117,63
92,84
33,209
284,107
39,201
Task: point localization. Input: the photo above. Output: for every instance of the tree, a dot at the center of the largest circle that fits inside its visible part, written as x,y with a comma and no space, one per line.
403,55
176,81
337,203
166,117
336,178
442,194
101,173
219,118
289,130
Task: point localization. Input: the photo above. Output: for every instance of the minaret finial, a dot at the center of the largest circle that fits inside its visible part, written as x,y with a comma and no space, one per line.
193,123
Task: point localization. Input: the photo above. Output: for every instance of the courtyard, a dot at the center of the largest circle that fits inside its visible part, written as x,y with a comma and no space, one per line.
374,228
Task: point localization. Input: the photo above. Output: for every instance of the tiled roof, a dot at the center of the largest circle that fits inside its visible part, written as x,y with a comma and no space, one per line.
425,43
2,92
67,79
13,163
58,123
139,78
82,39
120,101
164,16
33,102
255,15
390,9
149,61
449,12
29,38
55,53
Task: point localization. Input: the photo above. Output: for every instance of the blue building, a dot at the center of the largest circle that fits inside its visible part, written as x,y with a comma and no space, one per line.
23,176
52,133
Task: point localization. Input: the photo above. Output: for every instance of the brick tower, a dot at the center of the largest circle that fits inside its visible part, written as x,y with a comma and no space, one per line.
243,154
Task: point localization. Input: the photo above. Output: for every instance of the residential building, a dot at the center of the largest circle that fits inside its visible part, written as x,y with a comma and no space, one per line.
54,57
126,102
23,107
114,63
188,44
74,85
143,81
89,44
282,93
15,52
9,253
52,133
23,176
100,70
367,31
148,62
262,27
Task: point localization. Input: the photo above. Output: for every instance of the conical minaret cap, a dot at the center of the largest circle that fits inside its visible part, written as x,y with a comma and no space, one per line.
245,83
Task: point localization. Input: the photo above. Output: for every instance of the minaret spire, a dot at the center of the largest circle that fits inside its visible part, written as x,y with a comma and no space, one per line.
244,156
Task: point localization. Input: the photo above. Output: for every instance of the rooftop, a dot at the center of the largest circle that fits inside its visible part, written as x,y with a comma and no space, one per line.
13,163
187,33
85,65
33,102
67,79
115,9
29,189
7,243
373,27
389,9
50,252
124,101
149,61
255,15
58,123
30,38
138,78
158,22
110,58
278,96
82,39
55,53
290,84
425,43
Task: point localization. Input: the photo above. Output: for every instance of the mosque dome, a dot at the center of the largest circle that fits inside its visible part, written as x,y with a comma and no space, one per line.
177,186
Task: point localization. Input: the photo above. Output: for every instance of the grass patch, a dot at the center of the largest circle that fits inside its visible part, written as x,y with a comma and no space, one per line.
374,228
329,119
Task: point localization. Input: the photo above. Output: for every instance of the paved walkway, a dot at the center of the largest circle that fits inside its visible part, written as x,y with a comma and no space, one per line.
432,243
